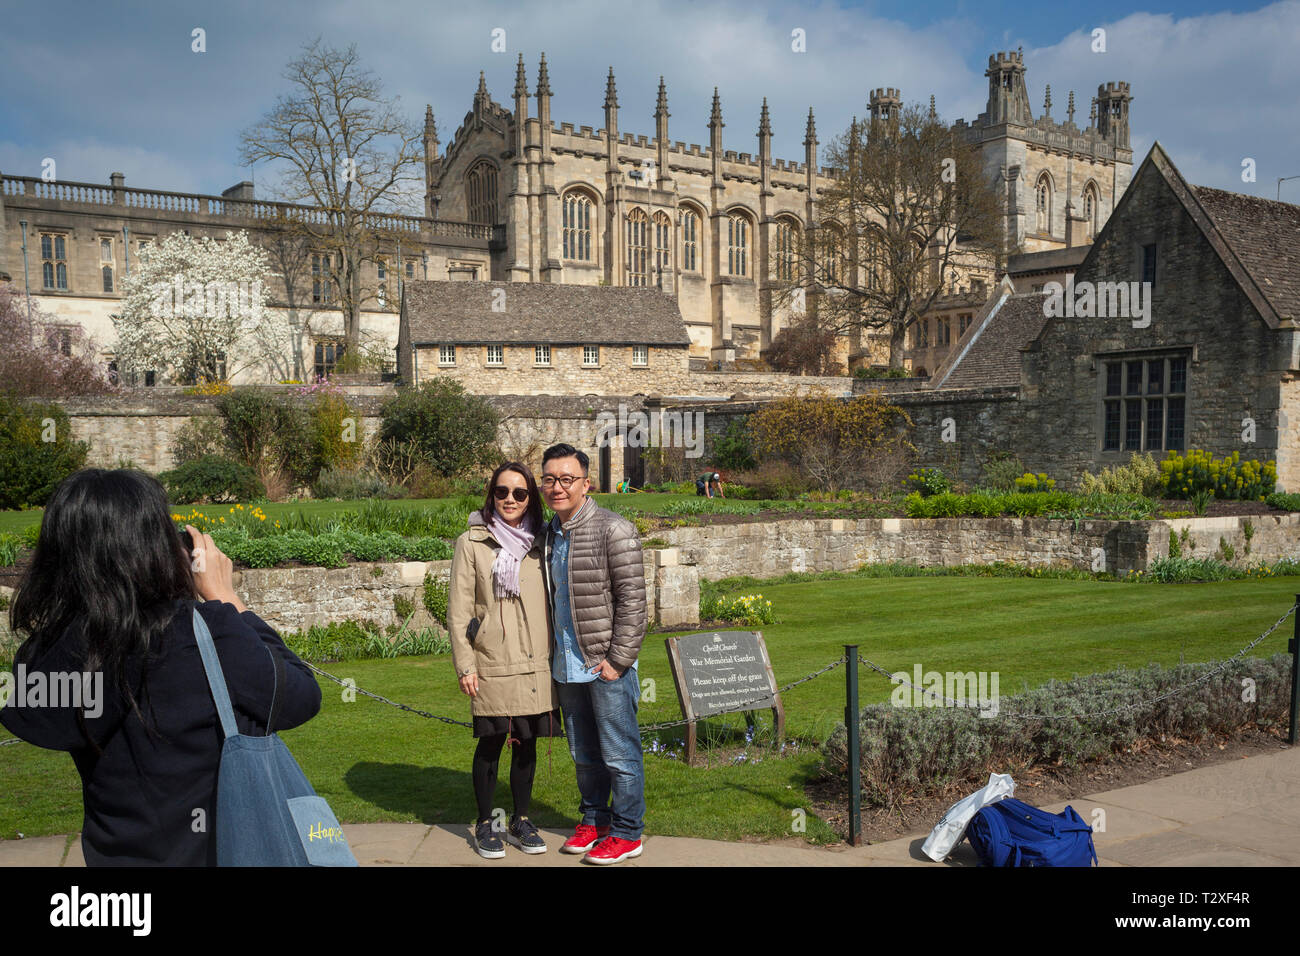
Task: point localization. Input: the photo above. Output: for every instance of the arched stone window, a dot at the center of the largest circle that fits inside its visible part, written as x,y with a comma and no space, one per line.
787,250
638,247
663,244
1043,204
576,226
738,230
1090,208
690,220
481,193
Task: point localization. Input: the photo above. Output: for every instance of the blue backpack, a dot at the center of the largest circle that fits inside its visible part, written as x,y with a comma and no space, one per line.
1013,833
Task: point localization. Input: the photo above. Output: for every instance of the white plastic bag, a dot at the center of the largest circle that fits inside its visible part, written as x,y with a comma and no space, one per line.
949,831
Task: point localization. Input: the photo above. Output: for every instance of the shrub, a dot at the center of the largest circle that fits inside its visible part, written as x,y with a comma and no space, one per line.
1030,483
30,467
451,431
771,480
436,594
1284,501
44,358
734,449
211,478
910,751
334,426
1228,478
876,372
350,484
928,481
839,443
1141,476
1001,472
270,436
199,437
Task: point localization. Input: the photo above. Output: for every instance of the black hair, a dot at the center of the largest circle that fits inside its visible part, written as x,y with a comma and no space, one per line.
533,513
107,572
565,450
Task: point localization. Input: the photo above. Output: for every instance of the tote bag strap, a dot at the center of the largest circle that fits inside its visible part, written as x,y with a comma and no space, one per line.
216,679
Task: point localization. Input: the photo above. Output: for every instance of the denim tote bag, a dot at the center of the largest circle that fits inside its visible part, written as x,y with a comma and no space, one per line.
267,812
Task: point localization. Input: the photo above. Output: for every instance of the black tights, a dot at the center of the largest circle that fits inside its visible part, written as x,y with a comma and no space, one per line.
523,765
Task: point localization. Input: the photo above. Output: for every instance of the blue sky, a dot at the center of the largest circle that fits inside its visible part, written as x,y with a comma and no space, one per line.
116,87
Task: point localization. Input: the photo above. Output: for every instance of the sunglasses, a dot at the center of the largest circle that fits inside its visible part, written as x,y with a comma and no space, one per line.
519,494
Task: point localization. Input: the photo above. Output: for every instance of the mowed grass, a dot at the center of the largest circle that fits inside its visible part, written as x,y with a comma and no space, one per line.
376,763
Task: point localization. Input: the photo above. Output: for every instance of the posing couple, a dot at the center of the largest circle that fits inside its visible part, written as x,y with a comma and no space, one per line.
547,617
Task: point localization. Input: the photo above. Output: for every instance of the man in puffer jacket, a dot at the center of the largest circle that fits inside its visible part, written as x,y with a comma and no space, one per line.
596,583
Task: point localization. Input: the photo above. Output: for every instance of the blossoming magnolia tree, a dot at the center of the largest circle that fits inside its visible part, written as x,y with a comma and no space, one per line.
196,309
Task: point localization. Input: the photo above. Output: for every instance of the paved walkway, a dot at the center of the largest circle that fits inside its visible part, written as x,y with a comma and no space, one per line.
1241,813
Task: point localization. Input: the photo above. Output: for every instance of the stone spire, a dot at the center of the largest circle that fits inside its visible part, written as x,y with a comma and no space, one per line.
661,104
810,132
715,118
764,121
1047,102
1070,108
611,96
521,81
932,112
661,135
543,79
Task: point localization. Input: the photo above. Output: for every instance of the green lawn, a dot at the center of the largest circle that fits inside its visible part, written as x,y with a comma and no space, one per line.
376,763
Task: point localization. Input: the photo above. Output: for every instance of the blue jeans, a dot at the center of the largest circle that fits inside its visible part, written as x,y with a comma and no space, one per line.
605,742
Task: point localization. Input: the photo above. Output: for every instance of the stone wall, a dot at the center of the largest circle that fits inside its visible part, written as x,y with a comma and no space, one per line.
292,599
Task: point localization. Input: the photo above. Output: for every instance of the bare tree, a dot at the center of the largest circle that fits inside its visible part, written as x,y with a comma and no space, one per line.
910,207
340,147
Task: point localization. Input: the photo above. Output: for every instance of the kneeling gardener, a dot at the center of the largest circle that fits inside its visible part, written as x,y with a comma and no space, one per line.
596,583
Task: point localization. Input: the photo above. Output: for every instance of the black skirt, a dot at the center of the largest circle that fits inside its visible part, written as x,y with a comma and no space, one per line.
548,724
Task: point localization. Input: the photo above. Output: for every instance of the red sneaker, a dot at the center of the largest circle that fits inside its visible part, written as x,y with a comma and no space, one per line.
585,836
613,850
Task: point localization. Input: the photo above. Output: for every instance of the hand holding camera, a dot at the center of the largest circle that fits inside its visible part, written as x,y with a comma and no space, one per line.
213,571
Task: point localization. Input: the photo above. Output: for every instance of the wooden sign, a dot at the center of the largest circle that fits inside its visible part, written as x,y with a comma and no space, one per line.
720,672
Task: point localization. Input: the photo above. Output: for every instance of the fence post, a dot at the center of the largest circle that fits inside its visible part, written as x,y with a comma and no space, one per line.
1294,648
853,726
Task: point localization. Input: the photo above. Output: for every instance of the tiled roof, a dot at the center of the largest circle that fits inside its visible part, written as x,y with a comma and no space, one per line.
1264,234
461,313
992,356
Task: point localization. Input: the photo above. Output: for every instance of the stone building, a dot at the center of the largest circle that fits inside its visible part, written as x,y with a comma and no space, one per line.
708,225
523,198
536,338
1209,358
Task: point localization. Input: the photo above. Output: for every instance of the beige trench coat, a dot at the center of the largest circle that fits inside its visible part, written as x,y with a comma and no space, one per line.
511,650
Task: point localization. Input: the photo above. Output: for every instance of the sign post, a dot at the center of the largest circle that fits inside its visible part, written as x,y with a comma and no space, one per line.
719,672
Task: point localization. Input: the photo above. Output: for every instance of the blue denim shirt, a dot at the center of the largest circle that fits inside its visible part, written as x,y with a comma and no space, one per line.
567,666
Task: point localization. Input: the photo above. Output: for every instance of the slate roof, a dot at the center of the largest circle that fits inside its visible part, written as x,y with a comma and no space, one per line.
541,313
1264,234
992,348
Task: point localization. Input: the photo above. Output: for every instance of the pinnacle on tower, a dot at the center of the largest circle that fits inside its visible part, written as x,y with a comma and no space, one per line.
1070,108
932,113
428,119
481,92
764,121
715,118
661,105
810,132
1047,101
521,81
611,97
543,79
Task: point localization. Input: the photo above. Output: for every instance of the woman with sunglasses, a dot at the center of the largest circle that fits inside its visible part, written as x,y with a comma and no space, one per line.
501,647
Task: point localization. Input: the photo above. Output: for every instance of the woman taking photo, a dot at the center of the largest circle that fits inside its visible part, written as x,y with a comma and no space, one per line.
501,646
110,593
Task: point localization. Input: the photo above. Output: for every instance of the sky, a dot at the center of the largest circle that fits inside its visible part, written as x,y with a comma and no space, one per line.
118,87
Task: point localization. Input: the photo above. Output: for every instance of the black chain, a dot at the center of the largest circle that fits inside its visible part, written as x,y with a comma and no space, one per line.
1101,713
351,685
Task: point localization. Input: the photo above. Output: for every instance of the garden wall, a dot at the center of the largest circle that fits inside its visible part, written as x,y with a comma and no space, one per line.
292,599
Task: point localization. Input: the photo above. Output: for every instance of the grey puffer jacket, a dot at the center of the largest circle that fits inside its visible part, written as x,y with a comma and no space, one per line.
606,585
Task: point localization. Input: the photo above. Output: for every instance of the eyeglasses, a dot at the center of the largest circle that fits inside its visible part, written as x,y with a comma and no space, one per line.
519,494
564,481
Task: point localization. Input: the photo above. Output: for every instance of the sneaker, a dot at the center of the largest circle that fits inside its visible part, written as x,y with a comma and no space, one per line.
584,838
487,843
524,835
613,850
